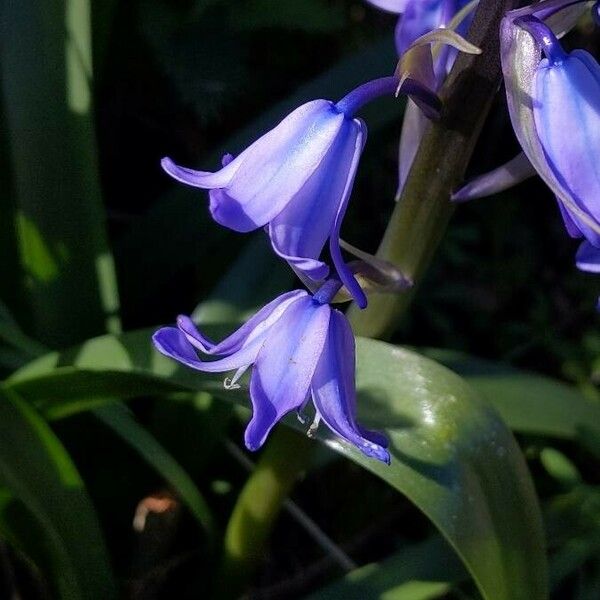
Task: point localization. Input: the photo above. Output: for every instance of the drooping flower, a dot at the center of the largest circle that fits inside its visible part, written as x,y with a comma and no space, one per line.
299,347
297,180
554,104
548,97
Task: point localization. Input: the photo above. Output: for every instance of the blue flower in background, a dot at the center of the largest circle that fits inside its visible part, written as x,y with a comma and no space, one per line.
555,109
566,111
296,179
418,17
299,348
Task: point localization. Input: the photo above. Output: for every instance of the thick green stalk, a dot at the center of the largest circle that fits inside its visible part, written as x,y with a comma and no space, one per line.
46,70
422,214
286,457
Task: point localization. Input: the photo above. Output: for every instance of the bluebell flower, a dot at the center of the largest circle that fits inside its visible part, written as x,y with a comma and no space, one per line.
299,347
566,110
554,104
418,17
297,179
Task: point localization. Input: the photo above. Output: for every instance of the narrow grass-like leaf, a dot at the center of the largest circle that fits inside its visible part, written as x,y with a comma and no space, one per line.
46,81
38,472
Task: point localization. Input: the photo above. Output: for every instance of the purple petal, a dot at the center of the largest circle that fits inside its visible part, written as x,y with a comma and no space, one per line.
342,269
201,179
418,18
504,177
588,258
276,167
520,56
173,343
284,367
257,326
570,224
394,6
301,229
334,394
567,99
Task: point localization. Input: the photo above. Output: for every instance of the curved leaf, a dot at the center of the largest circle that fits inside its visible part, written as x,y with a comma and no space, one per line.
529,403
417,572
452,455
38,472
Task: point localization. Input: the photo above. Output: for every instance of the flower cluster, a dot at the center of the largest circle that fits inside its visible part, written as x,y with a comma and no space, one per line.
554,104
295,181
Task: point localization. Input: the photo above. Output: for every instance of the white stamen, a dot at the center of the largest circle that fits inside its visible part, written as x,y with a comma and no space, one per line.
312,430
231,383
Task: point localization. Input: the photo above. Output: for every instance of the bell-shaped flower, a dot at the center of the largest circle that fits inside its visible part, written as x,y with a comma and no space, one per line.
297,179
299,348
554,104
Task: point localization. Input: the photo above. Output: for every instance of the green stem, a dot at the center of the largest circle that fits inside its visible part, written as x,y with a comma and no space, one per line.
422,214
286,457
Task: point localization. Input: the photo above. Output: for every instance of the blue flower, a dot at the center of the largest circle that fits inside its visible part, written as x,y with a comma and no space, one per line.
566,110
299,348
296,179
554,105
418,17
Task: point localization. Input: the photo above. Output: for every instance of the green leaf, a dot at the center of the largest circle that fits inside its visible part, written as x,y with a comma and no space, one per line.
417,572
557,465
39,473
71,287
120,420
452,455
529,403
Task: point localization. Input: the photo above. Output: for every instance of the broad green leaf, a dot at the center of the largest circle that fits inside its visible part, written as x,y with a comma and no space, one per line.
120,420
417,572
38,472
452,455
529,403
46,73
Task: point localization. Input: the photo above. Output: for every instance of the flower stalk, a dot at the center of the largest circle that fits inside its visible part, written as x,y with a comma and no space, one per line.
286,457
421,216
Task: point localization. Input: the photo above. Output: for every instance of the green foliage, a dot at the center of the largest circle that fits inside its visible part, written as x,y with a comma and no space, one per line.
93,93
452,456
38,473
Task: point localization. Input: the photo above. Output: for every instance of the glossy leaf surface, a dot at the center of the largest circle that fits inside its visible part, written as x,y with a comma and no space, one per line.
451,454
